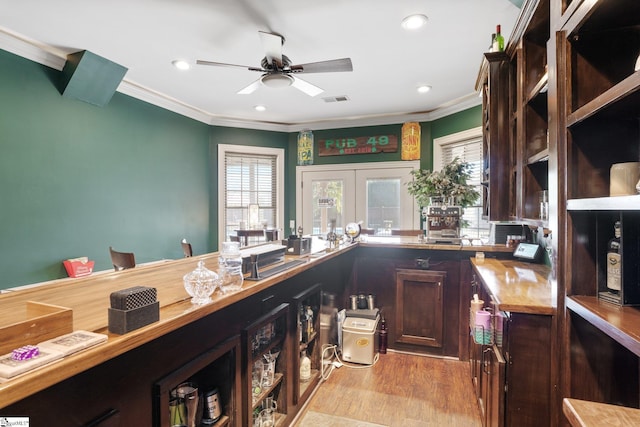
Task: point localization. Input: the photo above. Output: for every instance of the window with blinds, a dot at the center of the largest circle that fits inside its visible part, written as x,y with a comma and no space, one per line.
470,151
250,193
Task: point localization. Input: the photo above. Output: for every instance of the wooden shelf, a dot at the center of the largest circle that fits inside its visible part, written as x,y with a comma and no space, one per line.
617,203
626,92
542,156
540,88
620,323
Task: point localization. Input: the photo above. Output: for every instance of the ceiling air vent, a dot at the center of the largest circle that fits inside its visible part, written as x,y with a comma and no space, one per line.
340,98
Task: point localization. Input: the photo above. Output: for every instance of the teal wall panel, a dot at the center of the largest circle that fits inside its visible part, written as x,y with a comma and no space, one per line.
76,178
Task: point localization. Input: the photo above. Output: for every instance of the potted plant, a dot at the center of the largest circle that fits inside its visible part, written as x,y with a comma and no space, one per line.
449,185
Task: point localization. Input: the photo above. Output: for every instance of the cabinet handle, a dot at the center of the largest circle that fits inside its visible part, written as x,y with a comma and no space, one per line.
102,417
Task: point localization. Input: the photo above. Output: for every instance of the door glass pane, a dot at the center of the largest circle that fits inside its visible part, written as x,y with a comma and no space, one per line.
383,204
327,203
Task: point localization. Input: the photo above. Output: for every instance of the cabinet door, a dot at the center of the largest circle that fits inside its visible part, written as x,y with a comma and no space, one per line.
419,306
307,342
495,399
266,339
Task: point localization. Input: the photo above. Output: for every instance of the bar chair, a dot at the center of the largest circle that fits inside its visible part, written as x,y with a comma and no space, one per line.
122,260
186,248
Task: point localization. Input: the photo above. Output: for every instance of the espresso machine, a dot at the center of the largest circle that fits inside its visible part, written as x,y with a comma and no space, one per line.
443,224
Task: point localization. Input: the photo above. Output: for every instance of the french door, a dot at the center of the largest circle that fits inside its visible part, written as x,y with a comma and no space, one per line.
374,193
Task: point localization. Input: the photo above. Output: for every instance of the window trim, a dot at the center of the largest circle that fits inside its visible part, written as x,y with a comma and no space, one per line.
454,138
249,150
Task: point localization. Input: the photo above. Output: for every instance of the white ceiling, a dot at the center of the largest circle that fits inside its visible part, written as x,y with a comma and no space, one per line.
388,61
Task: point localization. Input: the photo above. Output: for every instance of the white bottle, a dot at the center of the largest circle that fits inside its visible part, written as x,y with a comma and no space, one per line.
305,367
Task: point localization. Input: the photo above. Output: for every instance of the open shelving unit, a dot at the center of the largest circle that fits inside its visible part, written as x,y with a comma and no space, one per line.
599,125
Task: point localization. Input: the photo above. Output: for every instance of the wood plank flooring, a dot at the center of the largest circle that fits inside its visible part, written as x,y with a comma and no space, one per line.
400,390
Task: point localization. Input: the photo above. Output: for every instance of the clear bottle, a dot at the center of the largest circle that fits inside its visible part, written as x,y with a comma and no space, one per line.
230,263
614,260
493,40
498,41
305,367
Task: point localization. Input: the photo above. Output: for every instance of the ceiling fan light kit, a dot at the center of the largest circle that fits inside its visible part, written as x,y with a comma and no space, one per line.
277,80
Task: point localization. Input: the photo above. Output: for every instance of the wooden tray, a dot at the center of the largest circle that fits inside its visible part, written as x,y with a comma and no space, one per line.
33,323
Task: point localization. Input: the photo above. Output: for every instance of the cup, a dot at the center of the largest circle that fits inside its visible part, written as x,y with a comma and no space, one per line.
483,327
353,300
212,404
270,404
188,392
267,418
268,373
256,378
371,301
475,307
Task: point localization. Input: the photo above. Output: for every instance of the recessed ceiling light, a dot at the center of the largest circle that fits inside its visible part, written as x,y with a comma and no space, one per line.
424,88
260,108
413,22
181,64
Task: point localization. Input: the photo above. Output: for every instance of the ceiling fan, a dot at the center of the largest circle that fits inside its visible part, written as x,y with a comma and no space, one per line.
277,70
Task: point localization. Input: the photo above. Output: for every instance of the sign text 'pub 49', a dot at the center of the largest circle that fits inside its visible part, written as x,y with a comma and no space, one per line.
358,145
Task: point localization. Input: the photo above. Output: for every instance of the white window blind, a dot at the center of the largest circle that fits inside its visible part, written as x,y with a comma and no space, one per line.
250,192
470,151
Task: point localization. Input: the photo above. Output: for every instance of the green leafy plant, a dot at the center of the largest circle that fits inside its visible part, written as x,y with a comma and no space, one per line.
451,181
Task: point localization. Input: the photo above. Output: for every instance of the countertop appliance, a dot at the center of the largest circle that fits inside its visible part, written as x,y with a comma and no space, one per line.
359,341
443,224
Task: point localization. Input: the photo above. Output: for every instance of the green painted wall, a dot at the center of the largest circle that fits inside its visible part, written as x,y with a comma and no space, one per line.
76,178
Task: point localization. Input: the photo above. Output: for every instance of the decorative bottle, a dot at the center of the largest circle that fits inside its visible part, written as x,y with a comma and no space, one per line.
305,367
382,347
498,41
614,260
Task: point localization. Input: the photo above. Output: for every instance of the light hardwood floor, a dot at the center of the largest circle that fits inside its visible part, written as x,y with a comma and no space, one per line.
400,390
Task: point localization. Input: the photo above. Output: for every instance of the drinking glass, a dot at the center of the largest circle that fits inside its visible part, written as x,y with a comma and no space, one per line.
267,418
268,373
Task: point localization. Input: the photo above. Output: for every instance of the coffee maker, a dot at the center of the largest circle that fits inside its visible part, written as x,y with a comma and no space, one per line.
443,224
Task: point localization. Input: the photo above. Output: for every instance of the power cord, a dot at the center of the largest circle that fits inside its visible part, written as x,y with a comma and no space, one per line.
328,365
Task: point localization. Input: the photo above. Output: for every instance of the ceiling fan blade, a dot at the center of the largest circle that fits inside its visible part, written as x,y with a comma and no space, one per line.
222,64
331,66
306,87
251,88
272,45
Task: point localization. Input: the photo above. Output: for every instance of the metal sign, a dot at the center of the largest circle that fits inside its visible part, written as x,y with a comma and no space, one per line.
358,145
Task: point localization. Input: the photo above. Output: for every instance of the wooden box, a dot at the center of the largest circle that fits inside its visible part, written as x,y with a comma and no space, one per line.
33,323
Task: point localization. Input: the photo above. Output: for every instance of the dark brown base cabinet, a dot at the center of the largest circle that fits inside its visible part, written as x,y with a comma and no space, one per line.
421,306
511,375
420,291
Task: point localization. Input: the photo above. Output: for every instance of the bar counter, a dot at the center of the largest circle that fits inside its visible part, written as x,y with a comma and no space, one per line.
88,298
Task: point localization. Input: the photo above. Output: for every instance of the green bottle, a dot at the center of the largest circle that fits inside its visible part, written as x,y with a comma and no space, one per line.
498,41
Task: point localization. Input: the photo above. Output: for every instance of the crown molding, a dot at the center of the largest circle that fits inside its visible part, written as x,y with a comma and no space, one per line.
55,58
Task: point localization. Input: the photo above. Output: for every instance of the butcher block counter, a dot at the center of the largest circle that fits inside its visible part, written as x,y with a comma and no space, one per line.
88,298
517,286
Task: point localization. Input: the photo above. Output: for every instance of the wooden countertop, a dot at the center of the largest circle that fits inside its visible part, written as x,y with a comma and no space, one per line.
88,297
582,413
517,286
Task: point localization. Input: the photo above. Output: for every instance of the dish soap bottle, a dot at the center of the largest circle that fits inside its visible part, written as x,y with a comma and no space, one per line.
305,367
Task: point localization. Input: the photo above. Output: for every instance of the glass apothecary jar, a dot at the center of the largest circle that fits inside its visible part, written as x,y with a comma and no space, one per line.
200,284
